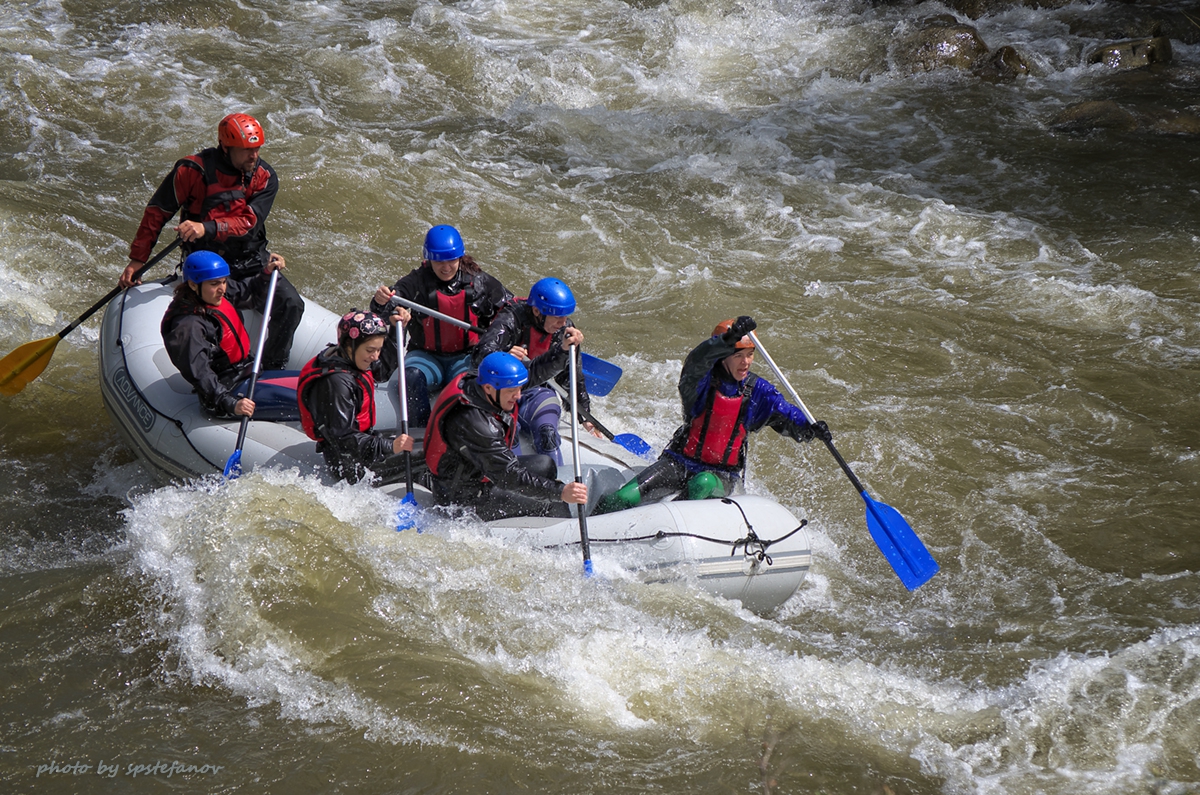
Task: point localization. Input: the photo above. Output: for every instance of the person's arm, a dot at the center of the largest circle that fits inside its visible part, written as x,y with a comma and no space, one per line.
190,344
501,335
492,298
162,206
411,287
264,187
333,402
479,438
696,374
768,407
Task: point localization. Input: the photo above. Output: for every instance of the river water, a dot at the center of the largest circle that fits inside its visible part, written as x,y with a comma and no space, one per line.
997,320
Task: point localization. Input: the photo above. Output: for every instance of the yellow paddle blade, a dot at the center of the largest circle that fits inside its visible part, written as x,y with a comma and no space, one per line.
25,364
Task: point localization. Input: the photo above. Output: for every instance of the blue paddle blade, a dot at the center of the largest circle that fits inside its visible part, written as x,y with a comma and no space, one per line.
899,544
233,467
635,444
406,514
599,376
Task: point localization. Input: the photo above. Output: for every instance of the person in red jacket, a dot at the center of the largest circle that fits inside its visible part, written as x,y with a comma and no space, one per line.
206,339
223,196
336,393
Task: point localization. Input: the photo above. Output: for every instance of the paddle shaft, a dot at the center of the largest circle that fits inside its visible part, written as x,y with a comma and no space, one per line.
585,413
584,543
262,342
901,546
114,291
50,342
434,313
408,476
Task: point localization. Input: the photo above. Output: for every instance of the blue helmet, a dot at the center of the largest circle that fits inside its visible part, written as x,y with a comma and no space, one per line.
203,266
443,243
501,370
552,297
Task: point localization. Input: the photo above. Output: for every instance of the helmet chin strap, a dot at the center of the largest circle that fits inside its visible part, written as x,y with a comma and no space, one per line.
493,395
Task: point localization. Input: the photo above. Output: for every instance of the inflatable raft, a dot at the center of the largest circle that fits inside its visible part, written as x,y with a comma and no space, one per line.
745,547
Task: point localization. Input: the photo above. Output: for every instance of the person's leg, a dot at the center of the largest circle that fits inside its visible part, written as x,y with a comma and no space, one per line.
453,365
500,504
541,465
704,485
539,412
287,309
664,476
274,395
422,373
342,461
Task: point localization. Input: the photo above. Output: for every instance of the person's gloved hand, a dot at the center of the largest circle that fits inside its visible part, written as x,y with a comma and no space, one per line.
740,328
820,430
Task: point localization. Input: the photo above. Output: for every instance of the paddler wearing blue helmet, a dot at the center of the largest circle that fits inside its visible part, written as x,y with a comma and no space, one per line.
451,282
538,330
468,448
204,334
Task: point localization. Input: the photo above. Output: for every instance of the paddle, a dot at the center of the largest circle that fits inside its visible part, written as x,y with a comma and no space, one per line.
599,375
630,441
583,531
896,540
406,512
27,362
233,467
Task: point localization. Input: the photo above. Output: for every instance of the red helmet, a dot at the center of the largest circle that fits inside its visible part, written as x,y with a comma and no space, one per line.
239,129
724,325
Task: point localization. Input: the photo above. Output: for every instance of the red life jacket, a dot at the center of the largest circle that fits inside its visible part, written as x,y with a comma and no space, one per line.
319,369
451,398
538,342
225,195
442,337
233,340
717,435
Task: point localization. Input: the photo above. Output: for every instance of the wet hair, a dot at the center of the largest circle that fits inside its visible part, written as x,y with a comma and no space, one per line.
466,263
185,294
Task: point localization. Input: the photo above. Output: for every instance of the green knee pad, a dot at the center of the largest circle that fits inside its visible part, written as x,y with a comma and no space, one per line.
705,485
627,496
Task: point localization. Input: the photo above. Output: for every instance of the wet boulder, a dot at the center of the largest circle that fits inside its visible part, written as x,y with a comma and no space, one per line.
1083,117
1132,53
1086,117
1169,122
1003,65
941,42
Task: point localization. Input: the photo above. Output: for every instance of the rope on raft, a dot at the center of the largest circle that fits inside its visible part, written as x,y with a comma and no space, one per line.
751,544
